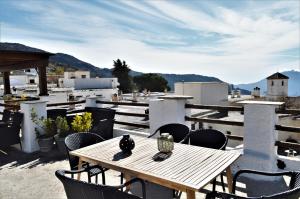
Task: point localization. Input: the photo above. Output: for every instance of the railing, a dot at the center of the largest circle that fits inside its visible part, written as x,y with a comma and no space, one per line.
117,112
195,119
288,145
146,126
123,103
282,144
214,121
66,103
213,107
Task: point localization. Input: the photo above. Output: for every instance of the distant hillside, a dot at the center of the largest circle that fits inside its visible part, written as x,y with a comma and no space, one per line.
73,62
294,84
18,47
70,62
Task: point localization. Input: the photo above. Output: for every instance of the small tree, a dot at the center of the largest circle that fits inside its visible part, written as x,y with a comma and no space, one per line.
152,82
121,71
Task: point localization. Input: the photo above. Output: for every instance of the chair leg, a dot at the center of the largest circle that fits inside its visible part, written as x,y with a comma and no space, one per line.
21,146
72,175
122,177
214,184
222,181
103,177
89,177
96,179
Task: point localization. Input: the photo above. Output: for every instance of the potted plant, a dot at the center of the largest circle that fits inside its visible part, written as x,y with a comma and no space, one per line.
62,129
82,123
45,131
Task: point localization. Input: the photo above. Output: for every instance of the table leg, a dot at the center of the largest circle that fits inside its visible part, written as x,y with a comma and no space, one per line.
79,167
229,179
127,178
190,194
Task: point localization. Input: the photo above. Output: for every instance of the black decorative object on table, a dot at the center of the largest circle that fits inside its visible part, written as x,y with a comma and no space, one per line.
126,144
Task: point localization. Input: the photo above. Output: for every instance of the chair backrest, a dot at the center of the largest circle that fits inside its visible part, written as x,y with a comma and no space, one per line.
290,194
79,140
17,119
10,133
103,121
178,131
82,190
295,180
54,113
209,138
6,115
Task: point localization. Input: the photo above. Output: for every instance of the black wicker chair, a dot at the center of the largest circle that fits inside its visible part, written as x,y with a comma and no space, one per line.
292,193
5,118
79,140
210,138
82,190
10,133
103,121
180,132
54,113
6,115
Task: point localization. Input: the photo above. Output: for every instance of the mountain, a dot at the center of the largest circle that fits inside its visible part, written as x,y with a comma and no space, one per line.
294,84
72,63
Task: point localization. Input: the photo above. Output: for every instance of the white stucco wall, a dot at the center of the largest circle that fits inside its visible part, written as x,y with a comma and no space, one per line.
206,93
76,74
92,83
277,89
18,80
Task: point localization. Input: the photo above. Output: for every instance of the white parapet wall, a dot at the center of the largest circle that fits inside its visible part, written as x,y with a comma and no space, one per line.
205,93
260,152
29,141
90,83
167,109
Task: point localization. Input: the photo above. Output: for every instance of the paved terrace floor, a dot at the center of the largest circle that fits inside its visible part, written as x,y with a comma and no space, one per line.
31,176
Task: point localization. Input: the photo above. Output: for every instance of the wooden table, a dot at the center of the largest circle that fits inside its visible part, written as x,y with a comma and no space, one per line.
188,169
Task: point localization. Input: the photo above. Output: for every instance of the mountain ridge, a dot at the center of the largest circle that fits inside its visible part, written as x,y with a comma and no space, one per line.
71,62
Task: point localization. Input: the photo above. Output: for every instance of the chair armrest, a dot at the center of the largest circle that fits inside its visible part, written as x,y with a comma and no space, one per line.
288,173
134,180
185,138
76,171
153,134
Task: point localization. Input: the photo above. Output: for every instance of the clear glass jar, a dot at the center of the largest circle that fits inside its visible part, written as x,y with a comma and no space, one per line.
165,143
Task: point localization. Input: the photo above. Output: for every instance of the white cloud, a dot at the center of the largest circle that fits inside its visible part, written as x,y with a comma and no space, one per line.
238,45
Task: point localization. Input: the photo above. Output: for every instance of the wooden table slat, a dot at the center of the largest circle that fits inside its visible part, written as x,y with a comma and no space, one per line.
189,168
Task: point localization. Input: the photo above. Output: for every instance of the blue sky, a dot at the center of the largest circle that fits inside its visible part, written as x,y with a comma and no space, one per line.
236,41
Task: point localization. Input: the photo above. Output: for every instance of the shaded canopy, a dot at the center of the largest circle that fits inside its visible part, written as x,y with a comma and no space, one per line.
17,60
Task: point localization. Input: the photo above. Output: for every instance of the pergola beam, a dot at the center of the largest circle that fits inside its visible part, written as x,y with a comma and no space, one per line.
23,65
43,79
18,60
6,82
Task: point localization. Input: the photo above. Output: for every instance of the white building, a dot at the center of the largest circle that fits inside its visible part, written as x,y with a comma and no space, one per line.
81,80
23,78
79,74
206,93
277,86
